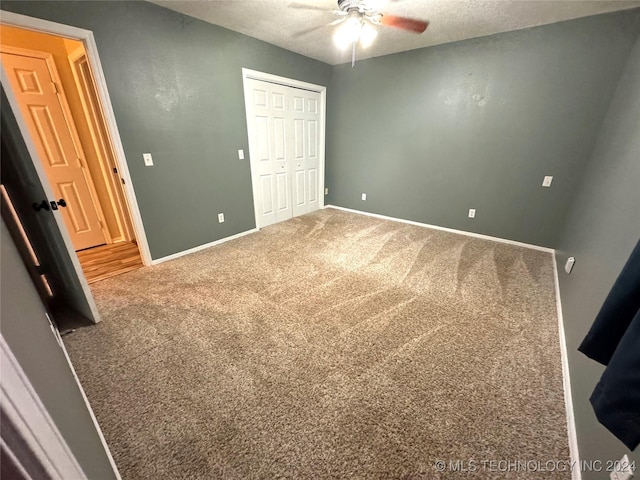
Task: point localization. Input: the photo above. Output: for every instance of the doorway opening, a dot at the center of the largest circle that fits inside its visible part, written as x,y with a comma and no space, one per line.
52,80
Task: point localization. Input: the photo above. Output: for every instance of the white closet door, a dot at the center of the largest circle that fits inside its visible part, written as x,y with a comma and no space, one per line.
269,151
305,166
284,136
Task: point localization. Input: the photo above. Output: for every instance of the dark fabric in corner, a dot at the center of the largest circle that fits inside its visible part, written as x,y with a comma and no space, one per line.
614,340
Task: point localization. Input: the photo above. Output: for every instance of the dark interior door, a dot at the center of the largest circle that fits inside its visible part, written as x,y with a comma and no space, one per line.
24,188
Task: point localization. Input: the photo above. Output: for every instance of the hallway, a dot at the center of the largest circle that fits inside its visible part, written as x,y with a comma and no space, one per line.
107,261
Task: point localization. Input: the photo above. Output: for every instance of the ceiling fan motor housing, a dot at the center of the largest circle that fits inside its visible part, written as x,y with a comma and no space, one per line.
348,5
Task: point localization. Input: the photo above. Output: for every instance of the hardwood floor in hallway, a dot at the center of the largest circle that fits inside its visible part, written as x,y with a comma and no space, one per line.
107,261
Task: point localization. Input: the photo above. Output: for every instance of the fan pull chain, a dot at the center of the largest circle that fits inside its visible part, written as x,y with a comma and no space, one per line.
353,55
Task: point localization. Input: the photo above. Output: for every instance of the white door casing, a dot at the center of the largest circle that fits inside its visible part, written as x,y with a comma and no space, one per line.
87,38
285,124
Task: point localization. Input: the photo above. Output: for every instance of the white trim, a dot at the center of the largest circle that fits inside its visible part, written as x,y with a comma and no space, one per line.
25,410
576,472
86,36
267,77
289,82
445,229
202,247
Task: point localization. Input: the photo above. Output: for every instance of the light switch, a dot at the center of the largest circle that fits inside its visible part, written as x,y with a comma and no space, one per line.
472,213
569,265
241,154
547,181
148,161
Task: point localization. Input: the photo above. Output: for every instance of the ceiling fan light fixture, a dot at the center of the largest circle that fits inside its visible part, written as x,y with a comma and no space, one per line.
349,32
354,29
367,35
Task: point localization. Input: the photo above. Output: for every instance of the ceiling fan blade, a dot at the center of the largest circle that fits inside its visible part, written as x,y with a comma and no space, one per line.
304,6
307,31
405,23
313,29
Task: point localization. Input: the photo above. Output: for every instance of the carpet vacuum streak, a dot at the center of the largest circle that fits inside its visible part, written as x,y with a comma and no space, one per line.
331,345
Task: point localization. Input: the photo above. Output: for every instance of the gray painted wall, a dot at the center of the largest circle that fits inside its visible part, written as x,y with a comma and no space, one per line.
176,87
426,134
26,330
602,228
430,133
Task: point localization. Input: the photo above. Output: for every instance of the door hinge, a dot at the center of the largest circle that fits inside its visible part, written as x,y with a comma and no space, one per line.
115,170
123,182
101,224
55,88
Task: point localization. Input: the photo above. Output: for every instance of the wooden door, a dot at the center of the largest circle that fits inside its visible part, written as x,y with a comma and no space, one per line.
42,106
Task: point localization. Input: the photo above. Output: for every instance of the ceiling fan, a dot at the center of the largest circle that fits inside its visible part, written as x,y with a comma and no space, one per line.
357,21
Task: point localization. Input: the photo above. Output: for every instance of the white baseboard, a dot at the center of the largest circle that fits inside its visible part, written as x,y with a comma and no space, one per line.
202,247
576,473
445,229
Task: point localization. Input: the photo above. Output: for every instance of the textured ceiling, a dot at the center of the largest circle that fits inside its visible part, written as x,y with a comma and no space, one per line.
278,21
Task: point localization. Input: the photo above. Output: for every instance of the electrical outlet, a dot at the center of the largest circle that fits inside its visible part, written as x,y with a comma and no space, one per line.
547,181
148,161
622,469
326,191
221,218
472,213
241,154
364,196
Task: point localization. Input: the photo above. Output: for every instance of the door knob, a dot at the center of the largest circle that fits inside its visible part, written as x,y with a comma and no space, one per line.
54,204
44,205
39,206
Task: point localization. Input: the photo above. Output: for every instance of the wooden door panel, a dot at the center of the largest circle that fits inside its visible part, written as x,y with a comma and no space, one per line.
77,215
36,92
52,150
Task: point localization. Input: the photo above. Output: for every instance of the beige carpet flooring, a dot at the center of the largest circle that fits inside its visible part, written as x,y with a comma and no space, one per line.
332,345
